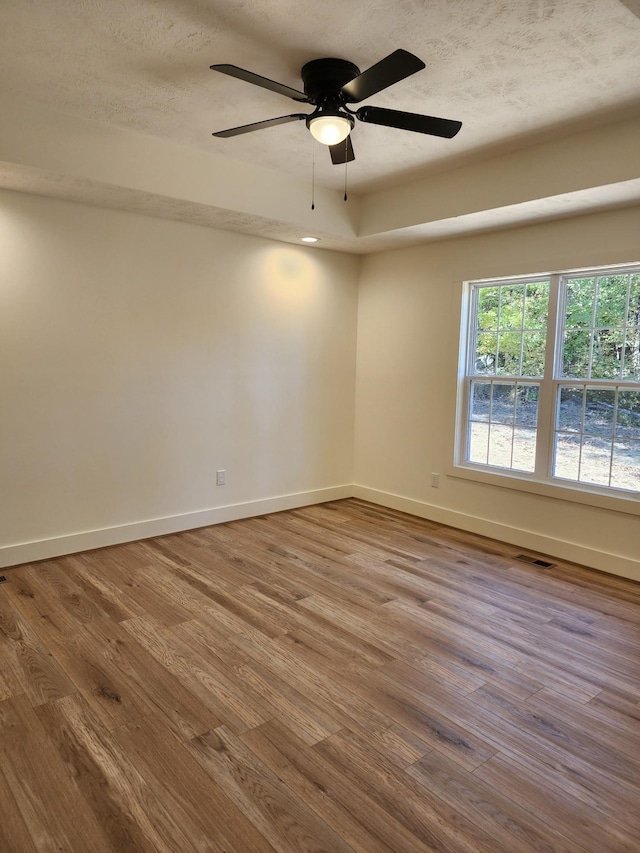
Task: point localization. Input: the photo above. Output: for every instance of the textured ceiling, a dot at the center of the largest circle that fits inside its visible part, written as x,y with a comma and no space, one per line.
513,71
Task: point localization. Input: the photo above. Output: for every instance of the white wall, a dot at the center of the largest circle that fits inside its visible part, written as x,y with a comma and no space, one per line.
408,331
138,355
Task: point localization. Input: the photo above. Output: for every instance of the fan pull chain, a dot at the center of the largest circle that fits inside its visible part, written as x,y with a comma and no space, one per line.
313,176
345,168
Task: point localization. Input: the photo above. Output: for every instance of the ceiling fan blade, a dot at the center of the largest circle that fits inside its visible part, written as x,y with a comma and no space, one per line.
390,70
342,152
257,80
410,121
258,125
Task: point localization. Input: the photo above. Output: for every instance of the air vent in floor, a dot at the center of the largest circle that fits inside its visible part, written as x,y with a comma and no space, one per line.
535,561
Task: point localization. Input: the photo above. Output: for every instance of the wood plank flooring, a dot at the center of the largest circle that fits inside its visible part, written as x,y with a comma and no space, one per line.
341,677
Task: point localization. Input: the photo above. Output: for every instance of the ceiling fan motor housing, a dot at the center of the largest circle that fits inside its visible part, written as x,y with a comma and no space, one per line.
325,77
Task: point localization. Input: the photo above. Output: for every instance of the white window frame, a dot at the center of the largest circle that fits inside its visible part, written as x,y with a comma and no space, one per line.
540,481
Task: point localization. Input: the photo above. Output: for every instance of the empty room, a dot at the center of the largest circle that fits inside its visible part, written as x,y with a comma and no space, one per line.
320,469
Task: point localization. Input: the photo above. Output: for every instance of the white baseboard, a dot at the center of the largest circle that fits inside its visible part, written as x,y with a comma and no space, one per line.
44,549
614,564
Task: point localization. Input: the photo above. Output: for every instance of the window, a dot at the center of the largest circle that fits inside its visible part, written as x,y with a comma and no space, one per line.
551,387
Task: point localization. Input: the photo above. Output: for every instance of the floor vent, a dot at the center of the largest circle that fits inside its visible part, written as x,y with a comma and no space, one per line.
535,561
3,578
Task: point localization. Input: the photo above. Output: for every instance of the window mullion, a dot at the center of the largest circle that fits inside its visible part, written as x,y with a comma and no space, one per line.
473,332
614,421
594,317
623,359
548,394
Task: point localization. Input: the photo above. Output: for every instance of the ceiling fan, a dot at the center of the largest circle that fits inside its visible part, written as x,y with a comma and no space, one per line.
330,85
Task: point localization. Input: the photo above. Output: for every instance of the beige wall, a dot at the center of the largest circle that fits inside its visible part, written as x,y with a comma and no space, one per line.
408,331
139,355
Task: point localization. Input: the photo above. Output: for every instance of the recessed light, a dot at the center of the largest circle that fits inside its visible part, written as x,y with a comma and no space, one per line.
310,239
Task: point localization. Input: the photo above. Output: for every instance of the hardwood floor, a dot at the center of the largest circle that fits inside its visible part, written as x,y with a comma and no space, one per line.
336,678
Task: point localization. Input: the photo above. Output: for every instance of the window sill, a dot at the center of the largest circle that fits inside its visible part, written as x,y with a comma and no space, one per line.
620,502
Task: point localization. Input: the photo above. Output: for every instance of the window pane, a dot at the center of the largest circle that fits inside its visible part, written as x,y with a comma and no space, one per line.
567,456
478,443
606,358
533,351
569,418
595,461
625,471
585,451
493,438
579,302
480,401
527,405
575,354
500,445
508,363
599,411
606,344
511,303
524,449
568,439
503,402
633,315
631,369
502,313
486,346
628,415
537,306
488,301
611,300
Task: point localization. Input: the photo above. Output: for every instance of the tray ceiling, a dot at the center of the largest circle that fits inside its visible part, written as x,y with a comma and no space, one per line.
517,73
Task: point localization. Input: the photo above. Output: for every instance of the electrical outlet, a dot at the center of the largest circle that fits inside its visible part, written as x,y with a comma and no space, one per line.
221,477
435,481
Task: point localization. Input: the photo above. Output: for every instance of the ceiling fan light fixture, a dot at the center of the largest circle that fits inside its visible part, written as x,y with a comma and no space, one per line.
330,128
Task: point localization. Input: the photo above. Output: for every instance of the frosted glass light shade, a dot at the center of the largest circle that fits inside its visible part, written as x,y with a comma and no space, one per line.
330,130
